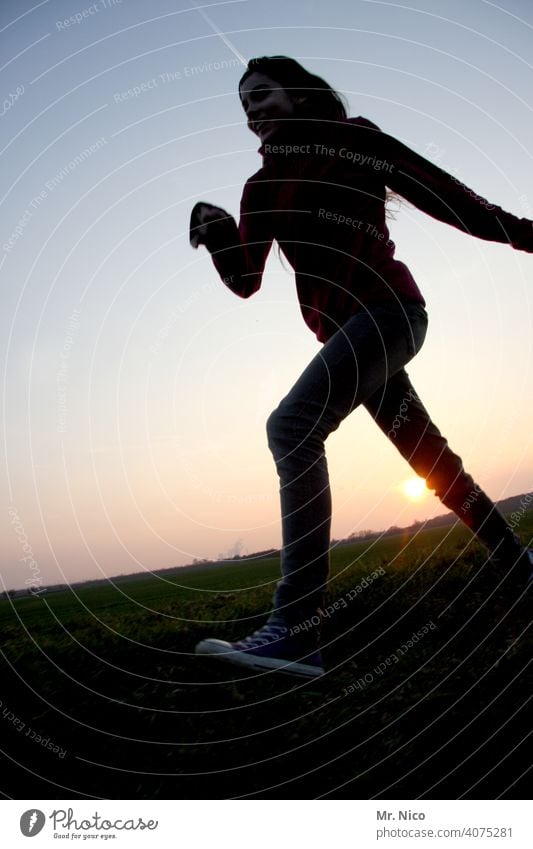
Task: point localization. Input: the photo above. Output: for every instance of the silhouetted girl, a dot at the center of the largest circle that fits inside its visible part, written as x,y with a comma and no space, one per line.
320,194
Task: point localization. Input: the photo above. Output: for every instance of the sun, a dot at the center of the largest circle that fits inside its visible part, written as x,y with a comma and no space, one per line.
414,488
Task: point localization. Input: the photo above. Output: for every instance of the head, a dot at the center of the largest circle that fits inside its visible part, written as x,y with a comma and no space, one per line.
276,89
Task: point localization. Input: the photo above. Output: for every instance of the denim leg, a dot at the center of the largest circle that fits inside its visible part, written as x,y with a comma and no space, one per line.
362,356
401,415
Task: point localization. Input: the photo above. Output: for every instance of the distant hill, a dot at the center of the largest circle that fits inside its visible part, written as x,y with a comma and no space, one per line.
516,503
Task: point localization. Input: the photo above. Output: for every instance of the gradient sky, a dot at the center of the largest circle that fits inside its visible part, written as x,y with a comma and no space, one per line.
135,387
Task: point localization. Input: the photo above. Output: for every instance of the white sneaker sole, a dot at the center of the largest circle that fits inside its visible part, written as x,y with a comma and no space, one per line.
225,651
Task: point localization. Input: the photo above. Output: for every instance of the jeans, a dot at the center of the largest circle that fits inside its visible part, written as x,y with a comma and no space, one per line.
363,363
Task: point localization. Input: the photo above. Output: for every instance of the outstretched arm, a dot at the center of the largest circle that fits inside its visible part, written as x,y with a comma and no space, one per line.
238,252
442,196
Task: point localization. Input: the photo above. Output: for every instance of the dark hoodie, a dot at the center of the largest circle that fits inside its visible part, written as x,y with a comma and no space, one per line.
321,195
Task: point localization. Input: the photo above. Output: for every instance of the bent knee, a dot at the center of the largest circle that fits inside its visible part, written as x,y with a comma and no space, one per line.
291,425
279,426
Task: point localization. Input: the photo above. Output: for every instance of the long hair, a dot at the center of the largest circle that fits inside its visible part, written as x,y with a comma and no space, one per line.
321,100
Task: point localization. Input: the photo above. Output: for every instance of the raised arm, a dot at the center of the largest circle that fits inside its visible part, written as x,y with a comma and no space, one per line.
442,196
239,252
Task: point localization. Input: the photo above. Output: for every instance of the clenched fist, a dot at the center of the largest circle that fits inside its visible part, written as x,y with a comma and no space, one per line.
210,226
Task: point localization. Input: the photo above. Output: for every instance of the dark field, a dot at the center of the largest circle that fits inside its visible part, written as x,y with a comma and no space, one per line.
102,696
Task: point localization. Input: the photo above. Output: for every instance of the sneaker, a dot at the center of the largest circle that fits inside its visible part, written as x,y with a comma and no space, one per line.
523,568
271,647
518,564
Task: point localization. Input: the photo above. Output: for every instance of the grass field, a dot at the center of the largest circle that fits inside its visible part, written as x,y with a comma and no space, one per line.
102,696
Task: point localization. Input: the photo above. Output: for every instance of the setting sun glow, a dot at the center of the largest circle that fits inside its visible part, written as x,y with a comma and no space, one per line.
414,488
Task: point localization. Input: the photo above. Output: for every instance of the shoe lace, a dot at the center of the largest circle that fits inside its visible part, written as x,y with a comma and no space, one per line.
267,634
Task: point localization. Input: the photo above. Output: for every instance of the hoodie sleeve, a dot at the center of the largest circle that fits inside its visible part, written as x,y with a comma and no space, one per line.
442,196
239,252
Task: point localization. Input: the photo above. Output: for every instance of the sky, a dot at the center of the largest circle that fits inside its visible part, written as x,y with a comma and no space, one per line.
135,386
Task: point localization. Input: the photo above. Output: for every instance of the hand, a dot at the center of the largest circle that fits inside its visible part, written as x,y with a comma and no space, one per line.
206,217
525,240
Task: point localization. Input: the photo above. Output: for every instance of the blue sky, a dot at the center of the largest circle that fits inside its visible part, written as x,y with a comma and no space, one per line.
135,387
